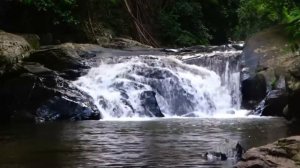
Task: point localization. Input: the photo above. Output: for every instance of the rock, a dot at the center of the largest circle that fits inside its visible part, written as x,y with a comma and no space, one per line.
284,153
69,60
239,45
123,43
35,93
239,151
180,102
273,104
13,48
214,156
268,53
32,39
150,104
253,91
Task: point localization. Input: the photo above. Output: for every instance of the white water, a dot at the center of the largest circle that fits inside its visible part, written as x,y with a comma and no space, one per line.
182,90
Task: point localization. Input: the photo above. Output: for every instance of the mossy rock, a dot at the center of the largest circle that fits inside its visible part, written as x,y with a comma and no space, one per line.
33,40
13,48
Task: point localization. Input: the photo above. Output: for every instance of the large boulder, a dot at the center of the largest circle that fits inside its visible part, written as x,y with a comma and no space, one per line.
69,60
32,92
13,48
284,153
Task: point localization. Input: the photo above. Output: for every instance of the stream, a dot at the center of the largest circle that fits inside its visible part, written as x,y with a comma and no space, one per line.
172,142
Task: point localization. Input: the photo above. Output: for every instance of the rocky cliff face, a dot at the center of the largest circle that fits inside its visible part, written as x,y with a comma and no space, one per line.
271,76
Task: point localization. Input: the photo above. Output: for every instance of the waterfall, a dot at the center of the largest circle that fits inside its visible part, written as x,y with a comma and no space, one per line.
165,85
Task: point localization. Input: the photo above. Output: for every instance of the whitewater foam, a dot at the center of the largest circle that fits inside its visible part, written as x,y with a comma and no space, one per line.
181,89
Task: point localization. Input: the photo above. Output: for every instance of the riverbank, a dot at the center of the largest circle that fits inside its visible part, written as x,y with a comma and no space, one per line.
282,153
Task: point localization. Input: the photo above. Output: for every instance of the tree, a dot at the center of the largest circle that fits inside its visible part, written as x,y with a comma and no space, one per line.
61,9
255,15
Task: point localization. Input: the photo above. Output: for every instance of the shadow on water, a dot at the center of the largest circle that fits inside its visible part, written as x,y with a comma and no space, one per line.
153,143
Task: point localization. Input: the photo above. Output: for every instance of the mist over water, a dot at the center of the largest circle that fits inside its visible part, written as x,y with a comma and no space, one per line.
123,87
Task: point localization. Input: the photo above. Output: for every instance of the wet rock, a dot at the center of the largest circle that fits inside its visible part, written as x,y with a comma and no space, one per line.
283,153
69,60
63,108
239,151
150,104
167,85
214,156
273,104
123,43
253,91
238,45
35,93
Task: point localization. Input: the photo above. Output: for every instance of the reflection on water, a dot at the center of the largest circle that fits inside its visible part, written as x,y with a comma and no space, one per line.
154,143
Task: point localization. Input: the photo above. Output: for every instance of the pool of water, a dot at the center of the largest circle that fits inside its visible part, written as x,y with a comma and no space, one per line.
150,143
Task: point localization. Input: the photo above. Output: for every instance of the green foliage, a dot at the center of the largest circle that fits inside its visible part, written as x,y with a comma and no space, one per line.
181,24
292,19
61,10
255,15
220,18
192,22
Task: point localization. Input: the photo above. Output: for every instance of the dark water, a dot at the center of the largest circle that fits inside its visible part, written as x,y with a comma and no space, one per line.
156,143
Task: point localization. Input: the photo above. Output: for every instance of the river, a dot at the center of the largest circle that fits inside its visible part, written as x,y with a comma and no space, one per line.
172,142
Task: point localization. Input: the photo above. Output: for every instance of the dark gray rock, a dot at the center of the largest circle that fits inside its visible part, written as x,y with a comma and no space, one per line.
253,90
150,104
69,60
273,104
123,43
35,93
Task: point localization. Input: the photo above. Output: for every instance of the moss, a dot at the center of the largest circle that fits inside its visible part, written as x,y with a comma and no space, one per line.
274,83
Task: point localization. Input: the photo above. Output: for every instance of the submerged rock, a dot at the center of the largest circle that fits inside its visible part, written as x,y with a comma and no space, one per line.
215,156
232,152
284,153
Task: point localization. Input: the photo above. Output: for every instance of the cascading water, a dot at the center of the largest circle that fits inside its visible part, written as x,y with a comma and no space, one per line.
147,86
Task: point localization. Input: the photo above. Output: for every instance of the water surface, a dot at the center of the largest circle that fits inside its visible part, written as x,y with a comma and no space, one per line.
152,143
